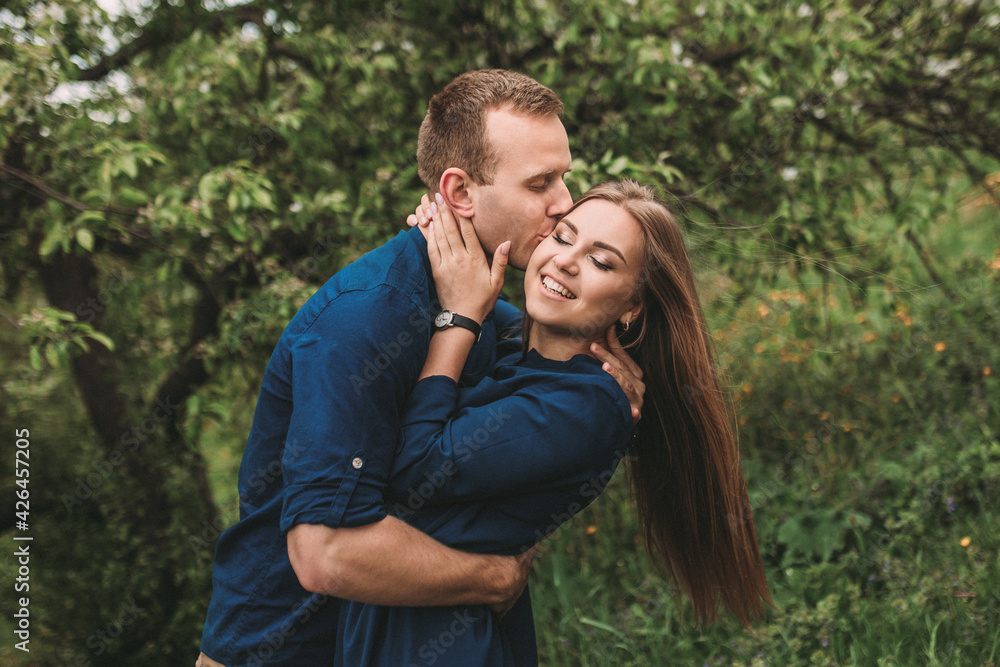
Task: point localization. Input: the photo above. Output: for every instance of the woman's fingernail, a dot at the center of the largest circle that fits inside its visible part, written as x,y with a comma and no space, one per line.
505,248
423,221
434,209
438,198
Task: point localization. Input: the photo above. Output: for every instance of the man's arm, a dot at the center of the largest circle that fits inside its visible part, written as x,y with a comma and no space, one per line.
391,563
340,541
388,562
370,557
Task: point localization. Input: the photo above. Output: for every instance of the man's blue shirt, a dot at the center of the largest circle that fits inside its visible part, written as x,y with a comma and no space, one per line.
320,451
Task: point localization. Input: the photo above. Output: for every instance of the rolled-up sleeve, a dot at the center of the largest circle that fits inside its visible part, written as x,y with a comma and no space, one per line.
543,434
350,370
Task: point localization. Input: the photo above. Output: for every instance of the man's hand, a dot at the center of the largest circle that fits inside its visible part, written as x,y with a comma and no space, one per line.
623,369
520,567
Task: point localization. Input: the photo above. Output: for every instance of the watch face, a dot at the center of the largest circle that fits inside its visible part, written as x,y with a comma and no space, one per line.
443,319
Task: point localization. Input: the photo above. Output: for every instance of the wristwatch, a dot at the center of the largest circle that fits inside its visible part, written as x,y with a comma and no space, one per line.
447,318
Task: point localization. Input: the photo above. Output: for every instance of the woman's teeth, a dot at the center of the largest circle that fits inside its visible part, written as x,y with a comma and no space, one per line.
553,286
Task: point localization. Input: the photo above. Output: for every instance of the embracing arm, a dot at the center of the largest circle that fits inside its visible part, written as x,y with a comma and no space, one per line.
338,451
377,558
391,563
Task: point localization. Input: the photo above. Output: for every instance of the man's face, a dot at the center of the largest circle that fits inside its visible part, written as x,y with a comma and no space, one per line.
528,195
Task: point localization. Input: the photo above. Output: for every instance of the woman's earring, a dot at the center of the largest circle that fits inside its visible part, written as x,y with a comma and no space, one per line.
626,325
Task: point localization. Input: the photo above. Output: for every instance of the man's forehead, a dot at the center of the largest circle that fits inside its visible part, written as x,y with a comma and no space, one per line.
532,146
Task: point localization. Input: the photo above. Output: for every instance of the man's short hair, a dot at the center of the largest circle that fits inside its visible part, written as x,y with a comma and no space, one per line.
453,133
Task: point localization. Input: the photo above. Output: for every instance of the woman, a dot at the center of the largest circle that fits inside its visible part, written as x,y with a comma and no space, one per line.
560,424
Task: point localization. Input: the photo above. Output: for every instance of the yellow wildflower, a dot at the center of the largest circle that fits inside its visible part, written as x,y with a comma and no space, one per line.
966,541
940,346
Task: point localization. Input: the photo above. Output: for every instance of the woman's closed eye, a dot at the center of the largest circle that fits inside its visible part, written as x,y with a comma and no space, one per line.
561,240
601,265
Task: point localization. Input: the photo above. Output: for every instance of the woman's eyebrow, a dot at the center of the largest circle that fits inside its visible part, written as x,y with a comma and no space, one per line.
608,246
596,244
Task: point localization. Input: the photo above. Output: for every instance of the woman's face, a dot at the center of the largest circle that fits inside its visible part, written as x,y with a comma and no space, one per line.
584,275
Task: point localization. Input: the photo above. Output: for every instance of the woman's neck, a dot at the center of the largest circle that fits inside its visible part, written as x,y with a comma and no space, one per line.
558,346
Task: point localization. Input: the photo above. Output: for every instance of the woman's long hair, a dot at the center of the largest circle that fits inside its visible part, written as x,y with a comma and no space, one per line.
684,470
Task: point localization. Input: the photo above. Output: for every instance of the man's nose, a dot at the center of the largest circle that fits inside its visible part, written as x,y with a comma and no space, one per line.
562,201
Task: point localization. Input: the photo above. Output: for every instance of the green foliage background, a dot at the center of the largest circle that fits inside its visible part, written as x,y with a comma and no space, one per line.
176,179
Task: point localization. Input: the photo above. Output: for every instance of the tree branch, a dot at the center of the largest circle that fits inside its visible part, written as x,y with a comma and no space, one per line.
922,253
44,189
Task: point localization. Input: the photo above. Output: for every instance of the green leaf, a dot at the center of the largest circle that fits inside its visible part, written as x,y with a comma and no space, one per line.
237,232
52,239
52,356
106,172
89,217
129,166
602,626
618,166
130,196
35,358
85,238
263,199
103,339
782,103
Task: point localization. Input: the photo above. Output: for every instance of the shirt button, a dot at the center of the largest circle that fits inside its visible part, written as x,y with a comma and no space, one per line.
357,463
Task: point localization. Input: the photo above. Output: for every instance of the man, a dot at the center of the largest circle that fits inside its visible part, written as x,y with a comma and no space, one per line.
326,425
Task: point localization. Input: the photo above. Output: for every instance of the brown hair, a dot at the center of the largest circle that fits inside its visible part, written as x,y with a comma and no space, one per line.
684,470
453,133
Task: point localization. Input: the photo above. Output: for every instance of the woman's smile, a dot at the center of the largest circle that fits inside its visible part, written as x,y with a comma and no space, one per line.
557,289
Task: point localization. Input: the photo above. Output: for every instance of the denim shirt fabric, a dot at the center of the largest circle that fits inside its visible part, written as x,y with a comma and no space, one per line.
491,469
325,430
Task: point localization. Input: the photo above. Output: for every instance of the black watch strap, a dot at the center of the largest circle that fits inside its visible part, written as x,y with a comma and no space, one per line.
448,318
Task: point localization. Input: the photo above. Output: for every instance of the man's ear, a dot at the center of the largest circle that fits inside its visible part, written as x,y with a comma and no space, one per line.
454,187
